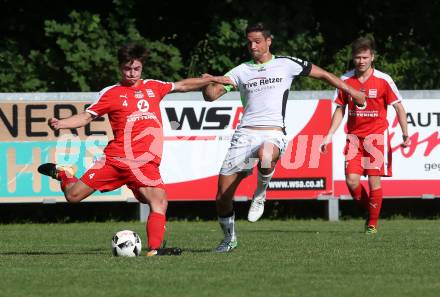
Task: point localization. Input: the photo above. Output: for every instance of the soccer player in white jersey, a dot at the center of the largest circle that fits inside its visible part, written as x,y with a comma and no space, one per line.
264,85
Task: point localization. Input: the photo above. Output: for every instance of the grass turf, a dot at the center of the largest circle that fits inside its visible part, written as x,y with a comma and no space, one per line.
274,258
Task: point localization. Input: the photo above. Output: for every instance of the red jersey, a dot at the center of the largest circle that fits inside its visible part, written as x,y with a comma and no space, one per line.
380,91
135,118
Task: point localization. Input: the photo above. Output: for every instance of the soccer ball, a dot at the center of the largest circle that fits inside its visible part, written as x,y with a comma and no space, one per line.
126,243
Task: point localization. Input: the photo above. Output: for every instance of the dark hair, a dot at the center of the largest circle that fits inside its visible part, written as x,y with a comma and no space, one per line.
130,52
362,44
259,27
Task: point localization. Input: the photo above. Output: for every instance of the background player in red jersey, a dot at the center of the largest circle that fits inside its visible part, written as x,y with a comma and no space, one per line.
132,158
367,150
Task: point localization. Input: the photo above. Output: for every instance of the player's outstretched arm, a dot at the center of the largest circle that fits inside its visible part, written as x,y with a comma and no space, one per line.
403,122
193,84
337,117
75,121
330,78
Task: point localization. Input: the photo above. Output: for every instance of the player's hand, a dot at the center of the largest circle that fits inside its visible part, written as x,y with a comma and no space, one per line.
406,141
358,97
54,123
224,80
325,142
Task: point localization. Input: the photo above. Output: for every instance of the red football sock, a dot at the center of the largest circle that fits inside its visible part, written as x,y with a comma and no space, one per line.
155,230
360,195
66,179
374,206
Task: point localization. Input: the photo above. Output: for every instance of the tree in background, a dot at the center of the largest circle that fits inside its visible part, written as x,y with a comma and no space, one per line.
70,47
221,49
82,57
19,72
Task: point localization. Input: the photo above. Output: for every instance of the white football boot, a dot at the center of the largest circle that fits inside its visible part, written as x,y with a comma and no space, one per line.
227,245
256,209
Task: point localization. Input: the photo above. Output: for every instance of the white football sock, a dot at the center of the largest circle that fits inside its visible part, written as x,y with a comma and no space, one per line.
228,226
263,183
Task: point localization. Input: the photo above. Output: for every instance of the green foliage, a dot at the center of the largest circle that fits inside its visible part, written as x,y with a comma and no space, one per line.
222,49
341,61
18,72
77,52
311,47
87,49
164,61
308,47
410,64
304,45
83,55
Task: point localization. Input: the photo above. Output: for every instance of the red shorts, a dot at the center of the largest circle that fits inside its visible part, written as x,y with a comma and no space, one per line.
110,174
369,155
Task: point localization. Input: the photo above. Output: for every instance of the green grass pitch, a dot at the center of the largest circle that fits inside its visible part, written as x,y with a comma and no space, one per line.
274,258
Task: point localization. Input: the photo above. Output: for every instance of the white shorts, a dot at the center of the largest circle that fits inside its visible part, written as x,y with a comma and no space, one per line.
242,155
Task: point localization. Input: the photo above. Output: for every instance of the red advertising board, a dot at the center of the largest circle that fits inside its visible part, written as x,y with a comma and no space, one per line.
302,171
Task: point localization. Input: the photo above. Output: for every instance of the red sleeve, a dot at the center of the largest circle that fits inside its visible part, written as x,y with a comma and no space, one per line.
101,105
392,93
340,98
161,88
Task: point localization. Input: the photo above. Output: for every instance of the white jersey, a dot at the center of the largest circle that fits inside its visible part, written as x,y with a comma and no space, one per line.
264,89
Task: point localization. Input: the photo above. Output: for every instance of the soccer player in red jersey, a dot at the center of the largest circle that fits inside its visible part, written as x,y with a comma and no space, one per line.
132,158
367,151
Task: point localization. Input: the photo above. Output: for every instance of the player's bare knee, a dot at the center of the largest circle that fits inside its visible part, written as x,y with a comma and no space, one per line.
352,183
221,191
164,203
73,197
267,160
159,205
266,171
220,196
223,197
157,199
